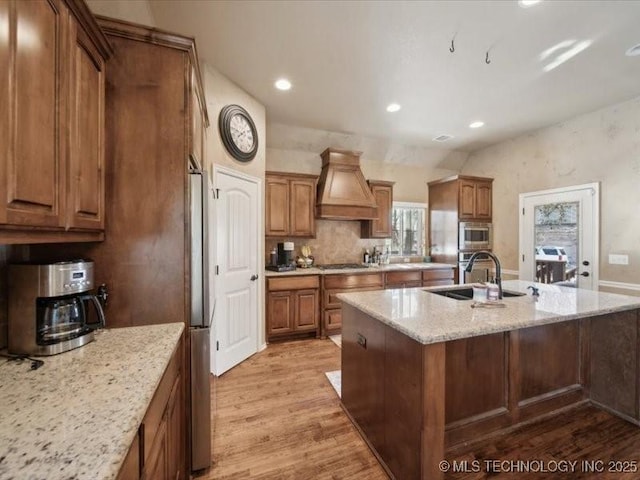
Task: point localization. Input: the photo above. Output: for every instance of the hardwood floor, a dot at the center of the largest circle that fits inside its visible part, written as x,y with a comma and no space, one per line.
279,418
584,434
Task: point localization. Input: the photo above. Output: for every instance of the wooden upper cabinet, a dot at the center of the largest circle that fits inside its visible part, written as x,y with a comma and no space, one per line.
302,207
380,227
290,205
475,199
467,204
52,58
34,79
86,155
277,204
469,197
483,200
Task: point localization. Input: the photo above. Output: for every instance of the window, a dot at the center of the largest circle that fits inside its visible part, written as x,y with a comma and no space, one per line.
408,225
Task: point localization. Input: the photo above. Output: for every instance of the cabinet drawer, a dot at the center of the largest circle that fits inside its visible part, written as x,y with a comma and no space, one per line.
391,286
330,296
438,283
392,278
440,274
354,280
332,319
293,283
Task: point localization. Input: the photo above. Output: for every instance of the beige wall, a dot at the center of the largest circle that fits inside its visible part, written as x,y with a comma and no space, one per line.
602,146
220,92
136,11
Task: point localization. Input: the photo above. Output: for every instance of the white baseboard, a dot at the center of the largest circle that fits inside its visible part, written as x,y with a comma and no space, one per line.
619,285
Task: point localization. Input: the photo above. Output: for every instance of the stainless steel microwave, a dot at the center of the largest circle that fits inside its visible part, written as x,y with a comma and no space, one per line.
475,236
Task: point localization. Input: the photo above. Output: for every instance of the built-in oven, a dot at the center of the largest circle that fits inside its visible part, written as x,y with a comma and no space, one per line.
482,269
475,236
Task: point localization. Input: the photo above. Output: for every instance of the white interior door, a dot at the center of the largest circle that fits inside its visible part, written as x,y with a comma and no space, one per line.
567,218
237,291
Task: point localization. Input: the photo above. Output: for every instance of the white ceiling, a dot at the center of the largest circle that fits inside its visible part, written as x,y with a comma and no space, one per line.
348,60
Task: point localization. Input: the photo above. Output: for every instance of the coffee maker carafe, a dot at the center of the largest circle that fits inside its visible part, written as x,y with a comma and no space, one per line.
50,307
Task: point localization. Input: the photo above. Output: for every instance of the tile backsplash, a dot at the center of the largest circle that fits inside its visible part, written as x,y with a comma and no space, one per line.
336,241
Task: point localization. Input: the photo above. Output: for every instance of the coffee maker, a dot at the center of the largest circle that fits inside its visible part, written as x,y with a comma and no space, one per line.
48,307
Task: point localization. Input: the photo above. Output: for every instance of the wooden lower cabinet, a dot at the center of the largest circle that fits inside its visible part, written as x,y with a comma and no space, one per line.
332,285
293,306
439,277
158,452
403,279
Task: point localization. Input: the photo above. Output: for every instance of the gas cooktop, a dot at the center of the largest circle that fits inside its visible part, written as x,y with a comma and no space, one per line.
339,266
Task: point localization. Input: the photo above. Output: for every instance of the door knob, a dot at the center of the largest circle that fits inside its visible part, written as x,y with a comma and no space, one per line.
585,263
584,274
253,278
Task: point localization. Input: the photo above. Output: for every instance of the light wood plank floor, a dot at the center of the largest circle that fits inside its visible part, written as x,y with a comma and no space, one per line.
277,417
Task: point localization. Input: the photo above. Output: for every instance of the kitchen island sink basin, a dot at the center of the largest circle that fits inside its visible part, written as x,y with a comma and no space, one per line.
467,293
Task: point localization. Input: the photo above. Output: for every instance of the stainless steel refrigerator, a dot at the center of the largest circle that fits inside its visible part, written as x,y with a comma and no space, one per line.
200,325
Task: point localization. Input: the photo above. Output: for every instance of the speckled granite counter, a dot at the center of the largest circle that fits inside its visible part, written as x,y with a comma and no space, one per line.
430,318
76,416
392,267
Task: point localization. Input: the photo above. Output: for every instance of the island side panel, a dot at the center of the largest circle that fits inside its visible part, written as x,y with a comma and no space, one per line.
403,388
614,344
363,343
476,386
550,368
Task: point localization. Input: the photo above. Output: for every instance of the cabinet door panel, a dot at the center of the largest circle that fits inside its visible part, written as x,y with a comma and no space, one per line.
467,200
86,152
483,200
277,214
35,148
156,466
175,435
302,215
381,226
306,317
332,319
279,312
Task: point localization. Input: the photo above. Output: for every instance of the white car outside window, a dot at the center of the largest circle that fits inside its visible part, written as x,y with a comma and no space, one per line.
551,253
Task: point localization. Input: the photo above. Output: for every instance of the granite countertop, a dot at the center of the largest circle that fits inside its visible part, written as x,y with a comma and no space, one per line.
76,416
392,267
430,318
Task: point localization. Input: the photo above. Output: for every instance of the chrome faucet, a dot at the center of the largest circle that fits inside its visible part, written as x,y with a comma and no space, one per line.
484,253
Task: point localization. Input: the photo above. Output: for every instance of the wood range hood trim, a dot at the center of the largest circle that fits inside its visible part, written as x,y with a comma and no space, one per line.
343,192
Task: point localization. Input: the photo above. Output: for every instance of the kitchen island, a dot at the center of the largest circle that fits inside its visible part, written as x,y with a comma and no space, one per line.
423,372
78,415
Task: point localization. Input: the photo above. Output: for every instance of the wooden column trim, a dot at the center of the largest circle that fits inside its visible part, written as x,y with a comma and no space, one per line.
514,375
433,415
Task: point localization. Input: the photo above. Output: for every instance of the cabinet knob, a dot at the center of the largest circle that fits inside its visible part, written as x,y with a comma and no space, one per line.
584,274
253,278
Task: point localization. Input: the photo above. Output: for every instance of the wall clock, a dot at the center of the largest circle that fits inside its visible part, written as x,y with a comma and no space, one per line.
238,133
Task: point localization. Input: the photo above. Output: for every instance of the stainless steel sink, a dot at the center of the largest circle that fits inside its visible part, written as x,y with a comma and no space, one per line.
467,293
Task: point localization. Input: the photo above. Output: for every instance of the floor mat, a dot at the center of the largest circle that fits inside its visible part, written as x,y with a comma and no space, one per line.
335,378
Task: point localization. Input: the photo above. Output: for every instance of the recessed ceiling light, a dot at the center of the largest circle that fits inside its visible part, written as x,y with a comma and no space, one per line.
633,51
283,84
476,125
528,3
393,107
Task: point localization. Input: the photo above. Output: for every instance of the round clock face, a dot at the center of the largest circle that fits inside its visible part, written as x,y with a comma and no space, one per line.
238,133
241,133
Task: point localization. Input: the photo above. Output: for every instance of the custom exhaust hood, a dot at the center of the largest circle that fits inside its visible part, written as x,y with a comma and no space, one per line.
343,193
